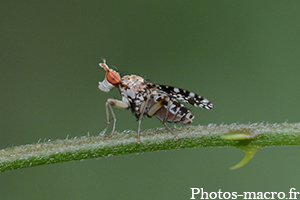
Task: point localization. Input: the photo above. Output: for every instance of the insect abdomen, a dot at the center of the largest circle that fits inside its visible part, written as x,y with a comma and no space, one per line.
177,113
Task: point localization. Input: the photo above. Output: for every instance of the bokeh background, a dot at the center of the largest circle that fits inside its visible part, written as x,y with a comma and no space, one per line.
242,55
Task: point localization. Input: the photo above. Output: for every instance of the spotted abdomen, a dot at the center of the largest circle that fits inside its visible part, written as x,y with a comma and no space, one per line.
177,112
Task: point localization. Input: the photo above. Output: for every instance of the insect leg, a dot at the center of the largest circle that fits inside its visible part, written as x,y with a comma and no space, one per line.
166,117
107,117
168,127
142,111
118,104
156,107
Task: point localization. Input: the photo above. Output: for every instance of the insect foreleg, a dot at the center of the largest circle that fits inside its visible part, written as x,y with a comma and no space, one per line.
118,104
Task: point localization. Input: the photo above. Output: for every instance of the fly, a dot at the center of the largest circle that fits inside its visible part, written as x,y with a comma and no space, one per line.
149,99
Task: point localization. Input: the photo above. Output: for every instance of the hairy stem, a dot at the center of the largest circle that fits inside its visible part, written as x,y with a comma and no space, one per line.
242,136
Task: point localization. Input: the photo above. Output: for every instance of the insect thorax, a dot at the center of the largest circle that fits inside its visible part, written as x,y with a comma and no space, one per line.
133,90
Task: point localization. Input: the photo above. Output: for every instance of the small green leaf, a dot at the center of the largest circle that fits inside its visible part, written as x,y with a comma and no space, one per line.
249,153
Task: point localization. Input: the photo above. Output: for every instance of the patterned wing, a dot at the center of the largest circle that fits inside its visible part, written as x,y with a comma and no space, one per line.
185,96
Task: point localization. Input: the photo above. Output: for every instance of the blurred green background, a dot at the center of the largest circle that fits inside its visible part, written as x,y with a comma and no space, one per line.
242,55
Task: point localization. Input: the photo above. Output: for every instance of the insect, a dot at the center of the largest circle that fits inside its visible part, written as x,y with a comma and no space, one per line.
145,98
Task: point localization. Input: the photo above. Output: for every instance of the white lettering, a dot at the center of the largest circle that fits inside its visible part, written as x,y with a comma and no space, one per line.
193,192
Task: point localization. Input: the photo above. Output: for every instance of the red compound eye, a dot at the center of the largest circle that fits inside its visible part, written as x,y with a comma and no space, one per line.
113,77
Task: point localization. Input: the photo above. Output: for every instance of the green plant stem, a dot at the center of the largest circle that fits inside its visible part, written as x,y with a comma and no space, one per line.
262,135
